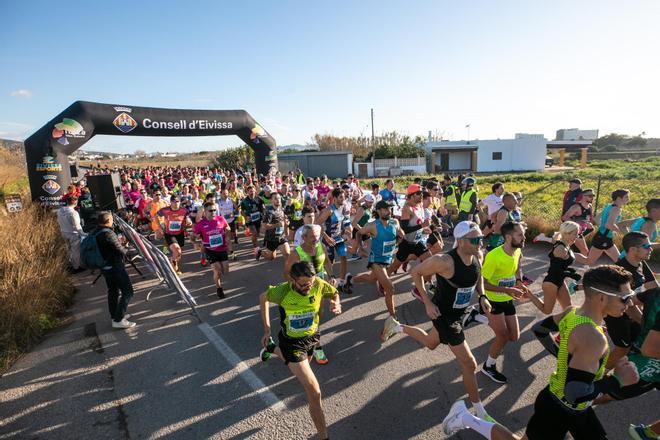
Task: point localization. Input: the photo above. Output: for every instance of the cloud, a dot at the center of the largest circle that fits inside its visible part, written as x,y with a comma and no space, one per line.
21,93
15,131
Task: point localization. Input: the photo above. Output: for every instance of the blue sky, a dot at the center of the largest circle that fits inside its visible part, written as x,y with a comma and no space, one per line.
318,67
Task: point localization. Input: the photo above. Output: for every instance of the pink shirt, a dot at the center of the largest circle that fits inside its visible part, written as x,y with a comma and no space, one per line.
213,233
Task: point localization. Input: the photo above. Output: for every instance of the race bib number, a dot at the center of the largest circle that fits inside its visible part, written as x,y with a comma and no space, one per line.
389,247
463,297
255,216
507,282
338,239
175,226
298,213
216,240
279,231
300,322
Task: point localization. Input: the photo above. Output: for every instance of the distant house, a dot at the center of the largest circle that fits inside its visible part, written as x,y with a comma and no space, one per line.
297,147
330,163
573,134
169,155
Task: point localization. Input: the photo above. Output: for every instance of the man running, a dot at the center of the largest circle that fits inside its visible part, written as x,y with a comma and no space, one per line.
312,251
414,227
362,216
493,204
458,275
603,241
274,224
175,220
565,404
226,209
383,232
502,216
252,208
295,211
214,231
336,223
502,275
299,301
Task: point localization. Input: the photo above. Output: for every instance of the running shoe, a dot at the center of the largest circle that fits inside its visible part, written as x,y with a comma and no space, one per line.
381,289
347,286
416,293
454,420
470,316
493,374
234,256
354,257
203,262
220,292
257,253
389,328
320,357
641,432
265,353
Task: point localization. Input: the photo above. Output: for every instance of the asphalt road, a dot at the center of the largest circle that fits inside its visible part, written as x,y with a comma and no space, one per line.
174,377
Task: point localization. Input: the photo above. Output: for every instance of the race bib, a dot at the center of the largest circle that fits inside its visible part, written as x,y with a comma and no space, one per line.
175,226
463,297
216,240
298,213
388,248
255,216
338,239
507,282
300,322
279,231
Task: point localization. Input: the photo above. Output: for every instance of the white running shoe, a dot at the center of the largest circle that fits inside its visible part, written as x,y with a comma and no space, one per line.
389,328
454,420
124,323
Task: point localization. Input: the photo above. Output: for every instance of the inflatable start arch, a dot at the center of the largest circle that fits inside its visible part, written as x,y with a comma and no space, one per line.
48,149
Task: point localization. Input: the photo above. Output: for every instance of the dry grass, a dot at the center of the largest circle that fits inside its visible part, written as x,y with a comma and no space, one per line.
34,286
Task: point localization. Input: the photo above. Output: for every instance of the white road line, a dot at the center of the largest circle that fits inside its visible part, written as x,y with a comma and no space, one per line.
248,375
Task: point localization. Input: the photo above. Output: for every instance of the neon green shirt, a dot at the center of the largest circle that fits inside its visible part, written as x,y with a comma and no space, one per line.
500,269
299,314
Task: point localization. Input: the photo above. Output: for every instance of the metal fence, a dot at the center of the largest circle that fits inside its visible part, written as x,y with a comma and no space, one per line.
157,263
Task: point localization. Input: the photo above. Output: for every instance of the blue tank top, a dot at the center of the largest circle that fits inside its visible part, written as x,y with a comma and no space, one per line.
603,221
383,245
637,227
334,223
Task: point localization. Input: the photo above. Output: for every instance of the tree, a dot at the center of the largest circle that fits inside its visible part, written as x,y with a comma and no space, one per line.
140,153
239,157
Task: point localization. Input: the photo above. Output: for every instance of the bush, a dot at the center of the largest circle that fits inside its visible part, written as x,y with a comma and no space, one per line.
34,287
240,157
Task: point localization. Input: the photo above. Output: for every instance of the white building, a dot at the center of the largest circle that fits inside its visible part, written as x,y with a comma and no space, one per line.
573,134
524,153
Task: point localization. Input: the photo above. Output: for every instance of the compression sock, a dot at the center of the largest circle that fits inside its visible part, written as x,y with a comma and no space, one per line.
481,426
479,409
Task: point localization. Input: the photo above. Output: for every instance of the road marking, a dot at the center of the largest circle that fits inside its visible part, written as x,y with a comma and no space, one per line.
244,371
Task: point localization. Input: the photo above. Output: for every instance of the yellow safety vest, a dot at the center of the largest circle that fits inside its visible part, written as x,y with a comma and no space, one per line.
466,205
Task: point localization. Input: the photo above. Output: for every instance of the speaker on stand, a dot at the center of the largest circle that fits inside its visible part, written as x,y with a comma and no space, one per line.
106,192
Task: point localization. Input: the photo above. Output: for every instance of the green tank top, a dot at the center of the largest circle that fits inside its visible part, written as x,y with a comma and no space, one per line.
318,260
296,210
365,217
558,378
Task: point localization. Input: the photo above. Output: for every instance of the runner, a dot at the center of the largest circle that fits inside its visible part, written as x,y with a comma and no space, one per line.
175,220
309,218
555,288
213,230
582,214
565,404
383,232
503,282
458,275
335,221
493,204
362,216
295,209
299,301
451,200
389,193
252,208
603,241
274,224
195,213
226,209
502,216
312,251
414,227
649,223
433,240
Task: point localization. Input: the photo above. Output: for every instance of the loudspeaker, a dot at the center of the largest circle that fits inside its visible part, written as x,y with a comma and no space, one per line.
74,170
106,191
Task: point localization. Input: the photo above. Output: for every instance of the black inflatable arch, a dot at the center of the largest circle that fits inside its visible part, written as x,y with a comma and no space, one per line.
47,150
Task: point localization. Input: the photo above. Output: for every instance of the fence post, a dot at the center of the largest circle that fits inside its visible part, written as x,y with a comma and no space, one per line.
597,195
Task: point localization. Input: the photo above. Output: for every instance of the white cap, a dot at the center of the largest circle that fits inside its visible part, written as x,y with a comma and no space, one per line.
267,188
464,228
369,198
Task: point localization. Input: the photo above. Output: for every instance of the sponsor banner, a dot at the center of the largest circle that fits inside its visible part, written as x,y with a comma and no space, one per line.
185,124
48,164
51,187
68,129
124,122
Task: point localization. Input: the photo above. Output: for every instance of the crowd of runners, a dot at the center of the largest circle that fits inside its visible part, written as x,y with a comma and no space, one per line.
464,256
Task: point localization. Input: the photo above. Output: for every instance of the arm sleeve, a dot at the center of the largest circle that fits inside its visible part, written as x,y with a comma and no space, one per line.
542,331
407,228
580,386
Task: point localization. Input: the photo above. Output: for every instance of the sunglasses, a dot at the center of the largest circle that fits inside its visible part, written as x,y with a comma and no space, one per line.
475,240
647,246
211,210
625,299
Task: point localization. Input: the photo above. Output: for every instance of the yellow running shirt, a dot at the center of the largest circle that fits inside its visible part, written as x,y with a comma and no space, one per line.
500,269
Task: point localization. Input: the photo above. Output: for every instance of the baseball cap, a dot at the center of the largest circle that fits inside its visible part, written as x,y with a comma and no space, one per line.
369,198
464,228
414,188
267,188
578,181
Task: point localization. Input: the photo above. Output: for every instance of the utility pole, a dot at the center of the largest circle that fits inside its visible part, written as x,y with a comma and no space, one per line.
372,126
